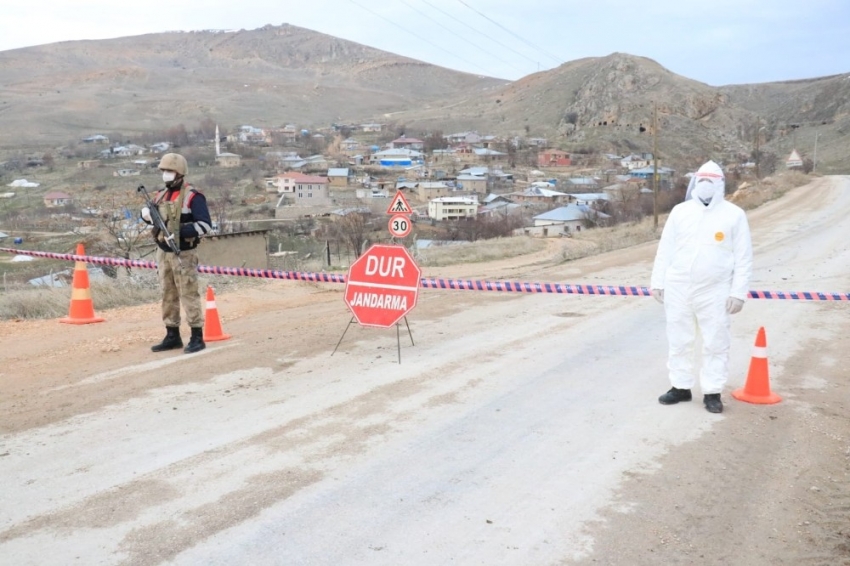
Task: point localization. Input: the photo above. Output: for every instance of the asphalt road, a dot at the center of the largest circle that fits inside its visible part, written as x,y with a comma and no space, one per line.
503,437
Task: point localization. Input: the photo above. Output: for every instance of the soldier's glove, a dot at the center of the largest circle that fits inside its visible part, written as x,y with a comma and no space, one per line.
658,295
146,215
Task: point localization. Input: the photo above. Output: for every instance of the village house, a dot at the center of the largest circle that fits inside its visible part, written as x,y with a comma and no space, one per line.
349,146
563,221
160,147
537,193
97,138
582,184
305,189
464,152
55,199
468,138
252,135
485,154
499,205
635,161
473,183
339,176
407,143
395,157
665,176
587,198
228,160
431,190
452,208
371,127
553,158
89,164
442,155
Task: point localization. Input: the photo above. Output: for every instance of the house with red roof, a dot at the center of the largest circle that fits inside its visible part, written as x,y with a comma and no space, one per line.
57,198
407,143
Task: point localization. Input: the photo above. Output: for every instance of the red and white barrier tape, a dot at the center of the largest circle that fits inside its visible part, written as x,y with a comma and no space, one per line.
431,283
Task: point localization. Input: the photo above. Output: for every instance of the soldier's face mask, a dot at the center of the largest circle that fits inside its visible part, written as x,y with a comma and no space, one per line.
168,176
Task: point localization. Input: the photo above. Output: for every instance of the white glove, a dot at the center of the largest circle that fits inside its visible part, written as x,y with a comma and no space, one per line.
733,305
146,215
658,295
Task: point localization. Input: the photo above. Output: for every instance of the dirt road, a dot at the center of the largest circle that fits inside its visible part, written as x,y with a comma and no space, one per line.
520,429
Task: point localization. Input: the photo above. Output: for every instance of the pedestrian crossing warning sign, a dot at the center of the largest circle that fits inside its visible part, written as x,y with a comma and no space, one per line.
399,205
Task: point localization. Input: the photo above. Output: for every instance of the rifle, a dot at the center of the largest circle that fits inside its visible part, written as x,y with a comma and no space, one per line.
159,222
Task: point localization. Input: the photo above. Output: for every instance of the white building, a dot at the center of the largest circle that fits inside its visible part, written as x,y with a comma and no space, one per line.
452,208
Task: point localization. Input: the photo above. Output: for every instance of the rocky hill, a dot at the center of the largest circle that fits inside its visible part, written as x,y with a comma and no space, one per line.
265,77
281,74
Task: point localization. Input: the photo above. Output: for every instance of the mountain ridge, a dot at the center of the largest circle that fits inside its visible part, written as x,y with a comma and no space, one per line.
286,74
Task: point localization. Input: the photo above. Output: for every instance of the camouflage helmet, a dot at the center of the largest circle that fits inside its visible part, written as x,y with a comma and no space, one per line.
174,162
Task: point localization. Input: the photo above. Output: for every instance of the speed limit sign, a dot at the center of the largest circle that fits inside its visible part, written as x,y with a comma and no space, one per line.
399,226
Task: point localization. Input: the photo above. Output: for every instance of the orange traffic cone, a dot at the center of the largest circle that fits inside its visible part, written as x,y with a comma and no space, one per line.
212,324
82,309
757,388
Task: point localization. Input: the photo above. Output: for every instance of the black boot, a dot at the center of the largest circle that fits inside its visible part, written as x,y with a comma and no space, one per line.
171,341
712,402
196,342
674,396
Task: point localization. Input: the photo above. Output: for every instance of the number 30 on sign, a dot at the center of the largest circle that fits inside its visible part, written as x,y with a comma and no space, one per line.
399,226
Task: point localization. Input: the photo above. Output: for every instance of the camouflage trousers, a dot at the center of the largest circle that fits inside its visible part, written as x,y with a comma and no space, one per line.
180,285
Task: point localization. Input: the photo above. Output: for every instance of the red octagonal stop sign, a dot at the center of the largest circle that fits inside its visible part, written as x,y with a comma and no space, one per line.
382,285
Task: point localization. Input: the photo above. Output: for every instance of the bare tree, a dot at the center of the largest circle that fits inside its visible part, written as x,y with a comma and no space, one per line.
221,201
206,129
626,204
352,230
118,221
177,135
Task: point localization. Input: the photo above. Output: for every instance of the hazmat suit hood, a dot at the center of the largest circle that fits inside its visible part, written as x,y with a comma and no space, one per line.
708,182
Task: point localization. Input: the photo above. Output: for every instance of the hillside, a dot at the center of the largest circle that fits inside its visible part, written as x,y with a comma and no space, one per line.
267,77
281,74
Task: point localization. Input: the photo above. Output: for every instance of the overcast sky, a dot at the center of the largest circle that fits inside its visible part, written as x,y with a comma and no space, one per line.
714,41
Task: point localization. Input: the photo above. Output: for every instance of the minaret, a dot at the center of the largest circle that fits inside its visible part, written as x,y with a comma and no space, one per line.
217,142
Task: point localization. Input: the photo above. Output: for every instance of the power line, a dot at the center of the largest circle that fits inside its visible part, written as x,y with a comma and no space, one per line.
460,36
467,26
558,59
418,36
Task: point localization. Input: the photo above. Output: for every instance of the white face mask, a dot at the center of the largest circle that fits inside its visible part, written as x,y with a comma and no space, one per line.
704,191
168,176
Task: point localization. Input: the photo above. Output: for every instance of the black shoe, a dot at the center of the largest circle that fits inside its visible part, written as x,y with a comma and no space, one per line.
674,396
713,404
171,341
196,342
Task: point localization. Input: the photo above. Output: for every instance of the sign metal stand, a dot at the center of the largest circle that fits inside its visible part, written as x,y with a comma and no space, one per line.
397,336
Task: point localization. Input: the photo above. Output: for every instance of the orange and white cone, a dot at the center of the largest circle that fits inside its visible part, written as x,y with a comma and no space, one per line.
212,324
757,388
82,308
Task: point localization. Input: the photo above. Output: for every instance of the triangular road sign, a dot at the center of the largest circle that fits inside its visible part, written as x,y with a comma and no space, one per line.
399,205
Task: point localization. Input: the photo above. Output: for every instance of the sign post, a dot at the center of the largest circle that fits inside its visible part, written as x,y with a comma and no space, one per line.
382,286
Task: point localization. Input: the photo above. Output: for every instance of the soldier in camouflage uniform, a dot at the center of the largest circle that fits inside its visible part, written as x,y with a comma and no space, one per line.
186,215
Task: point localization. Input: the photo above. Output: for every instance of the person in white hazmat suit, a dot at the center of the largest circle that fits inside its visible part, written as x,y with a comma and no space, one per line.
701,275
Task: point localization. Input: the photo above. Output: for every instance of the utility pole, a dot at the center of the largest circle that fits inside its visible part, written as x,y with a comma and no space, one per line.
756,153
655,164
815,158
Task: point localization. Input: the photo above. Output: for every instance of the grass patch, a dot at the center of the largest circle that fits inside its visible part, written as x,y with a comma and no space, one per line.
24,301
477,252
601,240
749,197
54,302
